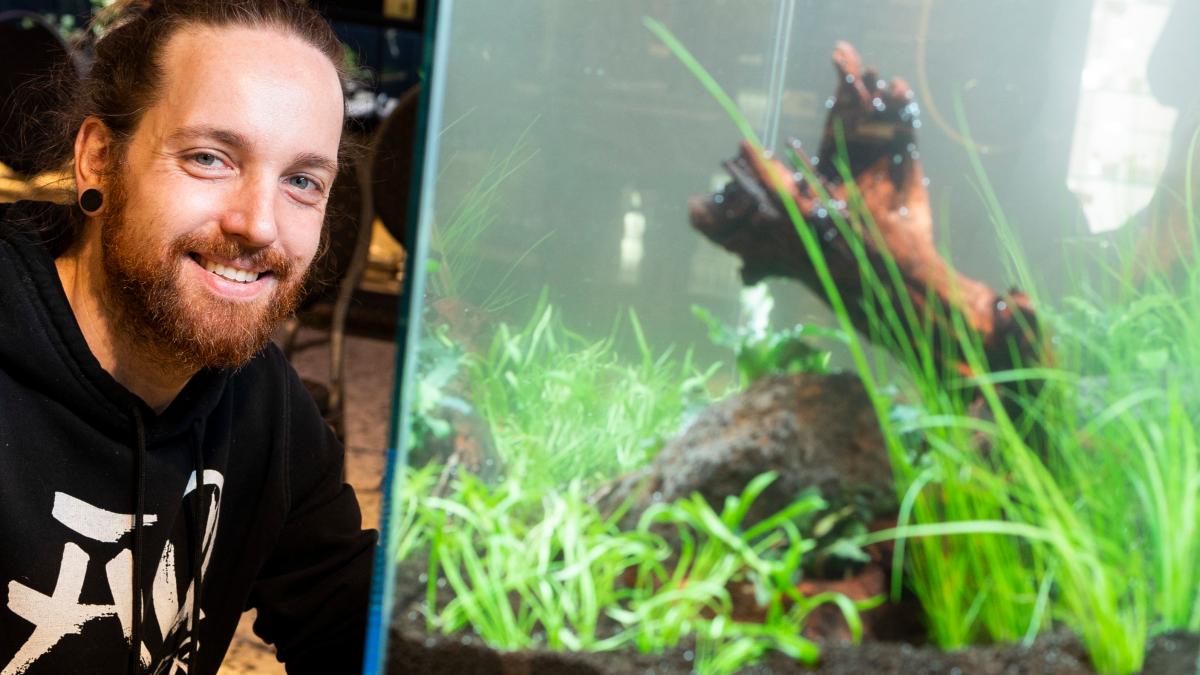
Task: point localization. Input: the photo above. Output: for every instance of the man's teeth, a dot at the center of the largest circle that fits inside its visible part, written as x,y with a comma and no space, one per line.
230,273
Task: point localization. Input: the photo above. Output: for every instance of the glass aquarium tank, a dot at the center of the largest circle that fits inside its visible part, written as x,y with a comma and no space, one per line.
796,336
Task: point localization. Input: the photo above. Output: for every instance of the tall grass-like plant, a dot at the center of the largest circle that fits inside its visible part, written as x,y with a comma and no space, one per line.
1080,510
455,242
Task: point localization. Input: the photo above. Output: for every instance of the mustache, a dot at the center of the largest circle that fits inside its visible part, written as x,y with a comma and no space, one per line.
222,248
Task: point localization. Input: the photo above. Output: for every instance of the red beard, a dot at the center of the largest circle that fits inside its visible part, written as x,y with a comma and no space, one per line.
182,325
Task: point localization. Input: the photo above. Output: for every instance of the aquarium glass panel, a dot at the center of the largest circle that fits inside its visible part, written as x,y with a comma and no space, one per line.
707,291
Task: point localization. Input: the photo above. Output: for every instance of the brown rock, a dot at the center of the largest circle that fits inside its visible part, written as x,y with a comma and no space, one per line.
814,430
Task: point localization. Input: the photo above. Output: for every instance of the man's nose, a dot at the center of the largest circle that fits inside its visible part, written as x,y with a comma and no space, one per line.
251,216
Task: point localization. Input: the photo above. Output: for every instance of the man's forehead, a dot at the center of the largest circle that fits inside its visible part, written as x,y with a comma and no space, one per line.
266,86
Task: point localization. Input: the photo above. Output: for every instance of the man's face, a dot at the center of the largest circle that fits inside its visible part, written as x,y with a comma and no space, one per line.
216,212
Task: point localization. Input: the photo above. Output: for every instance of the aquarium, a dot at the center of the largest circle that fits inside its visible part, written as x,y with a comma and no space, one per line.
788,336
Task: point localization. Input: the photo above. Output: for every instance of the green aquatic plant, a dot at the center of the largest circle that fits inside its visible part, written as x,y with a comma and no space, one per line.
527,569
1103,457
716,549
1074,498
563,407
788,350
439,363
455,246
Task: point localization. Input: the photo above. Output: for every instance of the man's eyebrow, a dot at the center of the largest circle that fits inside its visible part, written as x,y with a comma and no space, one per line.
312,160
224,136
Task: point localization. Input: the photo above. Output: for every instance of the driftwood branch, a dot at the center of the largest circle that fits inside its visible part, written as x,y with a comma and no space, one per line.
870,136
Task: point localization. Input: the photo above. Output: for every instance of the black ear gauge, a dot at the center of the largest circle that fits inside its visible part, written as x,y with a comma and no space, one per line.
91,200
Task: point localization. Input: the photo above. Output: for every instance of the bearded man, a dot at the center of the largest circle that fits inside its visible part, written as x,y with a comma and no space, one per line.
161,467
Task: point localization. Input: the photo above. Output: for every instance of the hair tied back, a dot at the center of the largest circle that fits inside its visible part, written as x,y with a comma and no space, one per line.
118,14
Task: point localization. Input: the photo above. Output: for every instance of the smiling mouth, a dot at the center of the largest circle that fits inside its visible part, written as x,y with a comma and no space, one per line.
227,272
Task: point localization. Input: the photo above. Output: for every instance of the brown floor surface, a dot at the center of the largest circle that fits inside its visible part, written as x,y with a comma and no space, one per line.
369,376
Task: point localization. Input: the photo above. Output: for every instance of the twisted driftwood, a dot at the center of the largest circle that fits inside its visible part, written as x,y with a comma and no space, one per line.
874,122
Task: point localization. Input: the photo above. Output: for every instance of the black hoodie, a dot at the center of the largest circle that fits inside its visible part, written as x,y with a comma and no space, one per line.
83,461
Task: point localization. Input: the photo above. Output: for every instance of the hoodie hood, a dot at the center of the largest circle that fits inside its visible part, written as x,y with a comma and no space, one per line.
44,345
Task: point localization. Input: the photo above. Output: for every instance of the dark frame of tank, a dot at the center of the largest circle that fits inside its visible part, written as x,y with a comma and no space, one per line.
408,325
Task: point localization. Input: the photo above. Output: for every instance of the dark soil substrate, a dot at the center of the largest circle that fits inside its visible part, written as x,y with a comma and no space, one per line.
414,651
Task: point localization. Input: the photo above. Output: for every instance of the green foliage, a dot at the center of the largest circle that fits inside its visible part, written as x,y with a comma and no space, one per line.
439,363
1102,458
562,407
1083,508
789,350
455,247
544,569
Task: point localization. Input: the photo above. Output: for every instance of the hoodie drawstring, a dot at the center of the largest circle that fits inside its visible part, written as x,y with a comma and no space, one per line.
139,469
200,516
200,512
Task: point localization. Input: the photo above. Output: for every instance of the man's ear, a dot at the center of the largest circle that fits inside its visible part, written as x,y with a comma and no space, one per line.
93,155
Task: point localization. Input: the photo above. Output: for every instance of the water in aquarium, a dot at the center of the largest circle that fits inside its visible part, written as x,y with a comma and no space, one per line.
749,334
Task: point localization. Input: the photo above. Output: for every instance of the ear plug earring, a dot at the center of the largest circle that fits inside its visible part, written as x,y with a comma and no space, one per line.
91,200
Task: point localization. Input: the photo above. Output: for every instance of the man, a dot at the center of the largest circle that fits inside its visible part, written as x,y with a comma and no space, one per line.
135,364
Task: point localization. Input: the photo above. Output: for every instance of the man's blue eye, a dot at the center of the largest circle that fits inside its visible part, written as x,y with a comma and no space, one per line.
206,159
302,182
